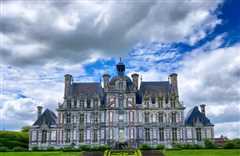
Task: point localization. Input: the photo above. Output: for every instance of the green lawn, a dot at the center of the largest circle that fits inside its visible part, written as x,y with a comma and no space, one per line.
235,152
220,152
40,154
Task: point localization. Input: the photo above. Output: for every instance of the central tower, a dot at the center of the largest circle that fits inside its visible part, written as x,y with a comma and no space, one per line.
120,68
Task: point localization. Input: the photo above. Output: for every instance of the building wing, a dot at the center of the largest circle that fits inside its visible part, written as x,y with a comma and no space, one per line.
194,116
48,118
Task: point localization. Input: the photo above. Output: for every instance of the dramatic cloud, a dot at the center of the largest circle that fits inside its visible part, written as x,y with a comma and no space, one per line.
42,41
35,33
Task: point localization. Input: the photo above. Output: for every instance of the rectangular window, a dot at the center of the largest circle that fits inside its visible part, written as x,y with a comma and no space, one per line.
34,135
81,104
153,99
95,135
74,134
95,103
88,103
68,120
121,117
81,135
131,133
44,136
174,117
110,116
53,135
68,135
146,116
147,134
75,103
160,102
173,103
69,103
174,134
81,119
111,133
199,136
160,117
130,102
131,116
95,117
161,134
102,134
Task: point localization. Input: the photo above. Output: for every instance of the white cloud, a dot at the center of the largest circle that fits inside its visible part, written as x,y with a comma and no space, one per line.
74,31
229,129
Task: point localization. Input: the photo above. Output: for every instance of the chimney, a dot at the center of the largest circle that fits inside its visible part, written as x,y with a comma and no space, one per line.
39,111
135,78
174,83
203,108
106,78
68,83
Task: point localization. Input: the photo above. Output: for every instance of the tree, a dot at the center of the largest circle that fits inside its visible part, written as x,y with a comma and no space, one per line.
25,129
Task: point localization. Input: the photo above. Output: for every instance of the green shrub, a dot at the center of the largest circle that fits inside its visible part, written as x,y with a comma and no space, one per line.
145,147
177,146
19,149
196,146
4,149
100,148
51,149
229,145
209,144
160,147
236,143
85,148
68,149
35,149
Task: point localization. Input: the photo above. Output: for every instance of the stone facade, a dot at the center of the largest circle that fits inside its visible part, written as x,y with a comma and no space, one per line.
121,110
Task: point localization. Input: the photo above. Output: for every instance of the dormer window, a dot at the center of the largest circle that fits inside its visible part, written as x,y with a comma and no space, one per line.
153,99
88,103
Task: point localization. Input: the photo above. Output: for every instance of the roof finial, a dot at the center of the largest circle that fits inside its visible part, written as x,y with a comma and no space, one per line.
120,59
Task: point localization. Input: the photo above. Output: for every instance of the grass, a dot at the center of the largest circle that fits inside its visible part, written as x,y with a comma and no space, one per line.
40,154
218,152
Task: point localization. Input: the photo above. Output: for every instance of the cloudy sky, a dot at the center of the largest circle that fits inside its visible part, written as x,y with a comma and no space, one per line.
43,40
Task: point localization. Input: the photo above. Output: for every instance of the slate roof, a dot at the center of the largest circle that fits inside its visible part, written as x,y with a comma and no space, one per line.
194,115
48,118
155,86
86,88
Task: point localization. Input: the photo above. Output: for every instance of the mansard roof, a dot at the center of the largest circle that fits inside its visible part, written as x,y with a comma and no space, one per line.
155,87
48,118
195,116
88,88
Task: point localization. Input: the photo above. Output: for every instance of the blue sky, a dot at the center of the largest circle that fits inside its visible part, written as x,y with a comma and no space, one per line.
197,39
